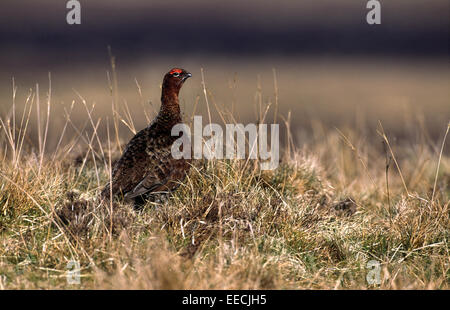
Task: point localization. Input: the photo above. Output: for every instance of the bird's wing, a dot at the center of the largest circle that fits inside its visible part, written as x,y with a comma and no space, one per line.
162,176
142,188
144,167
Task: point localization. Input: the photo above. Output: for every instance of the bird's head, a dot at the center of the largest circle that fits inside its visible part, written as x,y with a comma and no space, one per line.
175,78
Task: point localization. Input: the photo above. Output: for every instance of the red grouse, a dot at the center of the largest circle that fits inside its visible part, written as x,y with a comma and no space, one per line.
147,166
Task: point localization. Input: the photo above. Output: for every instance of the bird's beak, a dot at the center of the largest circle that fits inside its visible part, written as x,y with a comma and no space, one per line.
186,76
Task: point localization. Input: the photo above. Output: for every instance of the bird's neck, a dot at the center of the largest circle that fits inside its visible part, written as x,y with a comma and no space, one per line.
169,114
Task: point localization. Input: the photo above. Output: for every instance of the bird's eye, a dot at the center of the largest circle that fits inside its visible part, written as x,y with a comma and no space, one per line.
175,74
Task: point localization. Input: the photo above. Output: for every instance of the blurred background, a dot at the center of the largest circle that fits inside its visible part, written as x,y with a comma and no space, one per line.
319,60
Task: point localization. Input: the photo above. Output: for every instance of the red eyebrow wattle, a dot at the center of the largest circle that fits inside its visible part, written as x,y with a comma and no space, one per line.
175,71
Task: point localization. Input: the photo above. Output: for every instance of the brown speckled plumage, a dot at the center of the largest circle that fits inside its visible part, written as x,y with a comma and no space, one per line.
147,165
